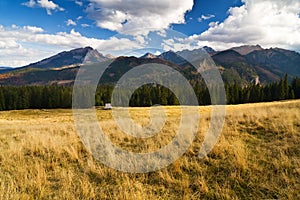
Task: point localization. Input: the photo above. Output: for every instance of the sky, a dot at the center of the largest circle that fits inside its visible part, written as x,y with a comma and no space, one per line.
31,30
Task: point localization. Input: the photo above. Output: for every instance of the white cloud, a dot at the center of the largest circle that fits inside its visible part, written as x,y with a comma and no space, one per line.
178,44
85,25
20,46
157,53
212,24
79,3
270,23
71,23
141,39
138,17
30,3
48,5
34,29
162,33
13,26
205,17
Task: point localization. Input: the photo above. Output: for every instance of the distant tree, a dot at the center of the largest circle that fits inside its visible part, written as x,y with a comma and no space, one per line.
2,100
282,92
146,97
286,86
292,94
172,100
296,87
163,96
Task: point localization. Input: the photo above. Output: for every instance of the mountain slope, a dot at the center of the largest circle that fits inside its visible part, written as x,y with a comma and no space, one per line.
228,57
58,69
277,61
67,58
123,64
268,65
173,57
66,76
235,67
5,69
209,49
35,76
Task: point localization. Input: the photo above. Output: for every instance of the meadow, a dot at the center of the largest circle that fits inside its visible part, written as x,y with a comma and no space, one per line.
256,157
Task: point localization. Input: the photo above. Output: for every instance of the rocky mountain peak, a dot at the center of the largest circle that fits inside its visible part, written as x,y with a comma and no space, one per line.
77,56
246,49
149,55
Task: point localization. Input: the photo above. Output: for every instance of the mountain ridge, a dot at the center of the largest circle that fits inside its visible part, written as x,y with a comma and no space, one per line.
260,65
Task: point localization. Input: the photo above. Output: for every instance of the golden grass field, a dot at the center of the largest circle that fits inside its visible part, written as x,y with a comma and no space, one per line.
256,157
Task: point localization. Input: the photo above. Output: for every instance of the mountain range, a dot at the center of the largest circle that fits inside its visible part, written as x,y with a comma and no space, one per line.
240,65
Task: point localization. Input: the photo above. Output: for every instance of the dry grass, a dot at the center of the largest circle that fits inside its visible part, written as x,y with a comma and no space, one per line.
257,157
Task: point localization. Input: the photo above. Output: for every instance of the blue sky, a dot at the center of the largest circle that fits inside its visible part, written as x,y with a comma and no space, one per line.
13,12
31,30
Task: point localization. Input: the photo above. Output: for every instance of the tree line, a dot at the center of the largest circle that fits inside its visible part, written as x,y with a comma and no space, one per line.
50,97
281,90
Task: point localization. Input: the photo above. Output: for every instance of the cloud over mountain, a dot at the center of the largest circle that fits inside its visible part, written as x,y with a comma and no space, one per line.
266,22
29,43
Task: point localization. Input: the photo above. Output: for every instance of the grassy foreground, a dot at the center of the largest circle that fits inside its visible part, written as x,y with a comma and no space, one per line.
257,157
